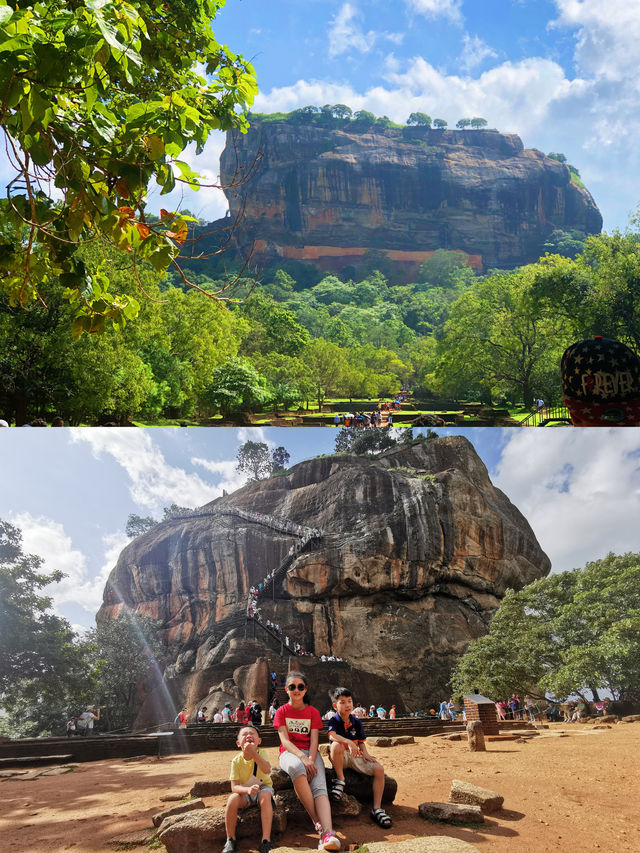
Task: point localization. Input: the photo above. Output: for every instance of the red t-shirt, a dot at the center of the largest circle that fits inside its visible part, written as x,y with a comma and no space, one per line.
299,724
242,715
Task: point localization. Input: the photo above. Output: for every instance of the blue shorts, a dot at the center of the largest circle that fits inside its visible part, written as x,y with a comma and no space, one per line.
252,799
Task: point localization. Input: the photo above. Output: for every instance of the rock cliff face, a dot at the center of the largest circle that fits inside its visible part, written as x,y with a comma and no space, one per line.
331,196
416,549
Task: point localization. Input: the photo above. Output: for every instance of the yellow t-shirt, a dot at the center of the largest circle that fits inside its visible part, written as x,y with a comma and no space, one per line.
242,770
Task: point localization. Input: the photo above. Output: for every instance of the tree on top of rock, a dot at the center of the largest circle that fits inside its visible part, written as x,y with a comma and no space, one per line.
419,119
253,458
370,440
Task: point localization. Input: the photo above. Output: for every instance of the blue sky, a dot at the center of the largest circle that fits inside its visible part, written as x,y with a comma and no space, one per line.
72,490
564,74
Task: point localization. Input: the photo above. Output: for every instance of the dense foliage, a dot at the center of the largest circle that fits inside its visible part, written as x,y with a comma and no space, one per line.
98,99
48,673
300,337
559,635
43,667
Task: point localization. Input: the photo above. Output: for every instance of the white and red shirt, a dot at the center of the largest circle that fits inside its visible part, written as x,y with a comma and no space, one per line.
299,724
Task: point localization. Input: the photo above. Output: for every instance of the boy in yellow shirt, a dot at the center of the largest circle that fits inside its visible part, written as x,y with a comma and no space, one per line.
250,784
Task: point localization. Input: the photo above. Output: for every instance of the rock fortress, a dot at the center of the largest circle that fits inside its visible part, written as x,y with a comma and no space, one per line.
331,196
391,564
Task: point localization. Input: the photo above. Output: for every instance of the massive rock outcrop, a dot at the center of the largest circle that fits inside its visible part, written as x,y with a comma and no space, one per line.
415,550
330,196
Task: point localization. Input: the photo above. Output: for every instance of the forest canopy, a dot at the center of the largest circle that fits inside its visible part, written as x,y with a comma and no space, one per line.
299,337
564,634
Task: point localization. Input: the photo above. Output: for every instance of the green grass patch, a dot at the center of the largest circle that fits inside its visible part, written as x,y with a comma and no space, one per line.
576,180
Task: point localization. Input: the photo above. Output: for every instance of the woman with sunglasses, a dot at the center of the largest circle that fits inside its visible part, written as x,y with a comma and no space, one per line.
298,724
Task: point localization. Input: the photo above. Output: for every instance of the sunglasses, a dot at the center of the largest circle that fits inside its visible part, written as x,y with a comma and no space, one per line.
298,687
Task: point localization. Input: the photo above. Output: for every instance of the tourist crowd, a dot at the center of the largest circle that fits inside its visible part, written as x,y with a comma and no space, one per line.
382,416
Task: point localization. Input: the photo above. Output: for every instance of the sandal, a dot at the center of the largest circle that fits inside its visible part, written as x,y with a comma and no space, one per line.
380,817
337,789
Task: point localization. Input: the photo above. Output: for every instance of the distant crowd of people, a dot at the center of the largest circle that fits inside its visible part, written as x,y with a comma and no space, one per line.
536,710
249,712
382,416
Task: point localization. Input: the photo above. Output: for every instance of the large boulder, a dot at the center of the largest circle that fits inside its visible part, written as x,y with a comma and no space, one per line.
417,550
203,831
361,787
330,196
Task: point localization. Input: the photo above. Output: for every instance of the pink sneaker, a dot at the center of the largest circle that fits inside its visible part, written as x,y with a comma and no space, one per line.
329,841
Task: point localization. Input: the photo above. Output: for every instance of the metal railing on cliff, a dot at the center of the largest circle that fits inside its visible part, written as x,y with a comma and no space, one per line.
306,535
282,525
547,415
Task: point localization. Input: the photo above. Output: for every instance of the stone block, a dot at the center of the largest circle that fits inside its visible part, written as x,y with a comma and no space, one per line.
475,736
361,787
179,808
211,788
451,813
432,844
203,831
280,780
465,792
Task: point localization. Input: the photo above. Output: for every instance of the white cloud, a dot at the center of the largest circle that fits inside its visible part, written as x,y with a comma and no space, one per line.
231,479
438,9
607,37
345,33
254,434
474,52
154,483
579,489
511,96
48,539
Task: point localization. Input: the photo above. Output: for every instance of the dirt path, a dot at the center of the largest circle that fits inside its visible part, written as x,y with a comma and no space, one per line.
577,793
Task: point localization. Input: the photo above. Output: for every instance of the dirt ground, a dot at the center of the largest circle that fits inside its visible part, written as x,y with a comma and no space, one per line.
578,793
